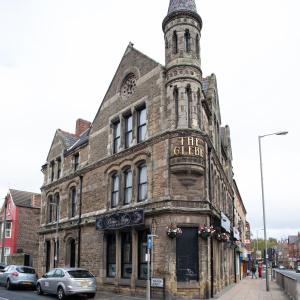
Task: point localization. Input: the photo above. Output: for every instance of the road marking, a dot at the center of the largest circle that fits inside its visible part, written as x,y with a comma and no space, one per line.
3,298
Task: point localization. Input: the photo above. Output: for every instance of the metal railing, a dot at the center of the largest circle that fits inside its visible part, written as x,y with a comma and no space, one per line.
290,285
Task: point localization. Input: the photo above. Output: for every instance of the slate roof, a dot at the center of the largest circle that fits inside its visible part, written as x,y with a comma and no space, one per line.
83,138
182,5
22,198
69,138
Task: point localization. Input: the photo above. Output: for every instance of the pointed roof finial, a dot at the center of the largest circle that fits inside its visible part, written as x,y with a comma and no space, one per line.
182,5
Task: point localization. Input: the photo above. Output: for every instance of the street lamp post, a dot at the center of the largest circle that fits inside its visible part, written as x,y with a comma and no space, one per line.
56,205
263,201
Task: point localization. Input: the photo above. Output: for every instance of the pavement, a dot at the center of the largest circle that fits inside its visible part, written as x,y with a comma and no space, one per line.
253,289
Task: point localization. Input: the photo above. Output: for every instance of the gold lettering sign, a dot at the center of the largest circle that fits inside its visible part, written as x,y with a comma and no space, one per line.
188,146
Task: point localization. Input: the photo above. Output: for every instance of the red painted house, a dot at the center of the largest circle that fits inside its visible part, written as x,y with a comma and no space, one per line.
21,213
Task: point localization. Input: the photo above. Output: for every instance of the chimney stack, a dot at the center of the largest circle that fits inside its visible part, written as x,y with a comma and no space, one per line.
36,200
81,126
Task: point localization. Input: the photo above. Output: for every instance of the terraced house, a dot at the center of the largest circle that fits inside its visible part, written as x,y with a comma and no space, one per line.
155,159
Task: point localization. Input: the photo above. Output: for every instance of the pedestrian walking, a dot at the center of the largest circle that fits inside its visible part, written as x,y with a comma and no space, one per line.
253,271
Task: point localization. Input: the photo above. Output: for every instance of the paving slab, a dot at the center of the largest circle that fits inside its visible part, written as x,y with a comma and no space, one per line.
253,289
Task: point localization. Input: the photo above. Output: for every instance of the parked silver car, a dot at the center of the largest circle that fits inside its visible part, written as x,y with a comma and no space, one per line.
13,276
67,281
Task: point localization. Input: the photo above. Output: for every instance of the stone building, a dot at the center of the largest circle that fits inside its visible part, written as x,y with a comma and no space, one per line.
154,160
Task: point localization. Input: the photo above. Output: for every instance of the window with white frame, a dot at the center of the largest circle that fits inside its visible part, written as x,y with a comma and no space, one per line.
8,230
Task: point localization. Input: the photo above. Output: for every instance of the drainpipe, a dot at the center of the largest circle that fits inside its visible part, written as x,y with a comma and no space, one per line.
234,251
211,223
3,232
79,222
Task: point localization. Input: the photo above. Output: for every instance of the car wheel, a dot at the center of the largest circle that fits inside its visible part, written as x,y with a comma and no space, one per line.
39,289
90,296
8,285
60,293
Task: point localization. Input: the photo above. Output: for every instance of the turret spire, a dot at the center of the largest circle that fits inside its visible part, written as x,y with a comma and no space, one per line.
182,5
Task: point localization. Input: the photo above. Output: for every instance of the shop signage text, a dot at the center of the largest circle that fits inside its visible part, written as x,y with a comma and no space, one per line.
120,220
225,222
188,146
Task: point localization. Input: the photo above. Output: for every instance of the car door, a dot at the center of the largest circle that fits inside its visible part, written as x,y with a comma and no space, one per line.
2,276
47,281
58,278
6,274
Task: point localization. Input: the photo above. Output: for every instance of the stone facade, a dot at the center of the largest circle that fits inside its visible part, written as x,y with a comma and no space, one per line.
156,146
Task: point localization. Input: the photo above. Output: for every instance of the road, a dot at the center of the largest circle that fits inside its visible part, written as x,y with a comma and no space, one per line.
21,294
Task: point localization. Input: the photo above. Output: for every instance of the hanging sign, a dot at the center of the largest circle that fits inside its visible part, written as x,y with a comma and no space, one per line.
225,222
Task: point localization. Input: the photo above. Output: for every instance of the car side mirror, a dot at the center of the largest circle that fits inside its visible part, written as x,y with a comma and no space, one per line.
44,276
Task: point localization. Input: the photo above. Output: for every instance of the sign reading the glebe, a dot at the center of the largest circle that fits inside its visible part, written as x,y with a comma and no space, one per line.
188,146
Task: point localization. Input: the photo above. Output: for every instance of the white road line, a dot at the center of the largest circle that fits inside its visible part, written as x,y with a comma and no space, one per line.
3,298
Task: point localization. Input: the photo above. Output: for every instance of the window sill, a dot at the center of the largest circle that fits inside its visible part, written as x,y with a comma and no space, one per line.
125,281
188,284
141,283
109,280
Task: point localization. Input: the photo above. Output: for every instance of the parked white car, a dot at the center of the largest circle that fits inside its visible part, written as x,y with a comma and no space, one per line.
67,281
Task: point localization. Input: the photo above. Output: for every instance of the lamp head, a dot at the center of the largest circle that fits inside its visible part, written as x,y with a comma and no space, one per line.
282,133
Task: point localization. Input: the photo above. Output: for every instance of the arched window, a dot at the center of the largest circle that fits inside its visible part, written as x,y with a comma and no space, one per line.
199,108
71,253
176,103
187,40
50,209
190,104
142,183
73,202
197,46
175,42
127,186
56,206
115,190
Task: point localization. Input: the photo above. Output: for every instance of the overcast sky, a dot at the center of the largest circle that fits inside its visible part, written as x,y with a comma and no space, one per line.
58,57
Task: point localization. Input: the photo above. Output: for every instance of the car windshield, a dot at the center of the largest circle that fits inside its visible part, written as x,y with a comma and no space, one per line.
25,270
80,274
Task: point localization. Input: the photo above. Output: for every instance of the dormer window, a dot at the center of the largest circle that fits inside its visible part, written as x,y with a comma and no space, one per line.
76,161
58,168
52,164
117,136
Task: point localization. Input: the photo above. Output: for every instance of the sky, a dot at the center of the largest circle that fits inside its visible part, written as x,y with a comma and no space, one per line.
58,57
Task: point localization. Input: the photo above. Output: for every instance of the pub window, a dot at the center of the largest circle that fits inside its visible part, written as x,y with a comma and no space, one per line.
128,131
117,137
175,42
76,161
115,191
187,261
187,39
58,168
8,230
142,124
50,209
73,201
126,257
52,164
56,206
111,255
127,186
142,183
142,251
